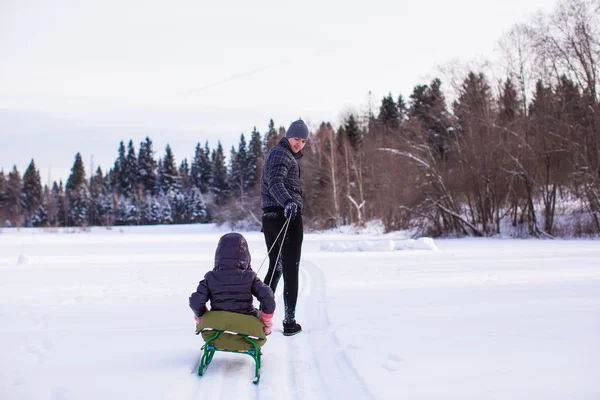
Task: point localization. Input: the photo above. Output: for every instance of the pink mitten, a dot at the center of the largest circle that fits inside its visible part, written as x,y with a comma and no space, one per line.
267,319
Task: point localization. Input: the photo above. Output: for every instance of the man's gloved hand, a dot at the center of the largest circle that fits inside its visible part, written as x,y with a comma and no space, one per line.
290,210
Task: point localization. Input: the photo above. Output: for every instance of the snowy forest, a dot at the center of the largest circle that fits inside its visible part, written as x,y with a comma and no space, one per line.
514,152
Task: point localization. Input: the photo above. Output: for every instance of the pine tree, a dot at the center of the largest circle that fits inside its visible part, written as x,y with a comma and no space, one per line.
3,184
160,171
388,118
340,138
196,207
97,183
77,194
420,107
166,213
77,181
509,105
353,132
234,173
402,108
147,166
178,207
96,192
238,169
62,211
474,102
254,160
127,212
428,108
200,171
170,176
150,213
542,102
219,186
130,176
40,216
32,192
14,207
270,137
206,168
118,171
195,168
184,175
106,206
51,202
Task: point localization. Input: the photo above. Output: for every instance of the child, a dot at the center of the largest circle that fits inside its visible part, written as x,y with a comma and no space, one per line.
232,283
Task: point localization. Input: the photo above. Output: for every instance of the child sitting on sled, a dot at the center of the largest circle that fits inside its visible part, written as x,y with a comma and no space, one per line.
232,283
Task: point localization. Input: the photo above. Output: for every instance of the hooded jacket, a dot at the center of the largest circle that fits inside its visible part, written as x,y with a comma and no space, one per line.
232,283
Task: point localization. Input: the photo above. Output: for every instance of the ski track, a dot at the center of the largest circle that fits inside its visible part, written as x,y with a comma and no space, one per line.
288,362
343,382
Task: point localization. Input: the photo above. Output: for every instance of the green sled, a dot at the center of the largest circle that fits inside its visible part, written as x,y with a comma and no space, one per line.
231,332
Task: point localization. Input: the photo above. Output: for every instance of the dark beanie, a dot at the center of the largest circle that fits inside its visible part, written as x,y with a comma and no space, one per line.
297,129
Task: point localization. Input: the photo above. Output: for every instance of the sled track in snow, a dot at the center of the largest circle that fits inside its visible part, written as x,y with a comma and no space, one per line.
310,365
339,379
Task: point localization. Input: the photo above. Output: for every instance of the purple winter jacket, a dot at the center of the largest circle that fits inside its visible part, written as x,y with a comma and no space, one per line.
232,283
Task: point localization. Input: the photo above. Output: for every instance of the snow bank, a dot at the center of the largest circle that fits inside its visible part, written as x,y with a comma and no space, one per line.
379,245
424,243
374,227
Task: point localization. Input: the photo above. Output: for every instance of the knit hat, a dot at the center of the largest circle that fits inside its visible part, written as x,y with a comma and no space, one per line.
297,129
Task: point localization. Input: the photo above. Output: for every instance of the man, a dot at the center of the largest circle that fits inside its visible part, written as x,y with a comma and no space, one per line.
281,196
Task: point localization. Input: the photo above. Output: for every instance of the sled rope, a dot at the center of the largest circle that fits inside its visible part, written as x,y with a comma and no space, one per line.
285,226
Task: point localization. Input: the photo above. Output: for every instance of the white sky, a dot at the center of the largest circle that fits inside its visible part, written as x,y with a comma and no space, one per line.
79,76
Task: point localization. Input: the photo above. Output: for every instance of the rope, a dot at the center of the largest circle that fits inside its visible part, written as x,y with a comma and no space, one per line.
285,226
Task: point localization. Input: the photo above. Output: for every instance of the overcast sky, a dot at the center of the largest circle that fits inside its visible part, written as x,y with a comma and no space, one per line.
79,76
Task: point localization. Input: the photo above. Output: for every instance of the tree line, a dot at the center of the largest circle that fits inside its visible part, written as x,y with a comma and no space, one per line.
519,154
138,189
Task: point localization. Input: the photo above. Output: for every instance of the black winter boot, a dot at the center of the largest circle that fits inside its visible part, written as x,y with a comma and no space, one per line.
291,328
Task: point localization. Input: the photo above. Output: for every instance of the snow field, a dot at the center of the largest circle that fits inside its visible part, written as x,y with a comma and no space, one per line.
103,314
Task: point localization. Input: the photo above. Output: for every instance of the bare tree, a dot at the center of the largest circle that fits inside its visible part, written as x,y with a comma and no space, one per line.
568,43
517,48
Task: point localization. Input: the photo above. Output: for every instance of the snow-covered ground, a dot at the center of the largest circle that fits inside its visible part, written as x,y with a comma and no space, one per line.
104,315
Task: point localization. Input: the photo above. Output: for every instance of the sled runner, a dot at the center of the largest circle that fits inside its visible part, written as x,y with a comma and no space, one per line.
231,332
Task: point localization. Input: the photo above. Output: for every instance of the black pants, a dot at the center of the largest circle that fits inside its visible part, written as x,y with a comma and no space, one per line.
289,260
